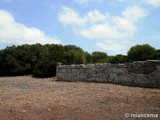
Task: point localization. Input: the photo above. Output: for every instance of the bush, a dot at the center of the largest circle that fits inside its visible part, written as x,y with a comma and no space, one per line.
157,54
141,52
45,68
119,59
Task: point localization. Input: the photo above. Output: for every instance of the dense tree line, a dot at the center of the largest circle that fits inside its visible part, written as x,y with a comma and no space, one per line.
41,60
38,60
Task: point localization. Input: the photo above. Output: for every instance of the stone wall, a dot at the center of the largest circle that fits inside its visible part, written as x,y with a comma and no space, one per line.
138,73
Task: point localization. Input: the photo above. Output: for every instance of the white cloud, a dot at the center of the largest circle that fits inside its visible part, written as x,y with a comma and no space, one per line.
109,30
133,13
114,27
154,3
102,32
95,16
116,47
86,1
70,17
124,25
17,33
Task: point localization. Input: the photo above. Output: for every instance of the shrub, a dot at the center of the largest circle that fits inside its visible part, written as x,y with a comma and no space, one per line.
44,68
141,52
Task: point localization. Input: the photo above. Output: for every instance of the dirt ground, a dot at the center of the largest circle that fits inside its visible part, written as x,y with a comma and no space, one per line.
27,98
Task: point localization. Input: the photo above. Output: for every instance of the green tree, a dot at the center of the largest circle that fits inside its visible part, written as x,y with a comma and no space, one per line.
99,57
1,63
74,57
119,59
157,54
141,52
11,66
55,52
45,68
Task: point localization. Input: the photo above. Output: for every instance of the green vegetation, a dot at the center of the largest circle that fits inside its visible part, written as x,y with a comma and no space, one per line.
141,52
41,60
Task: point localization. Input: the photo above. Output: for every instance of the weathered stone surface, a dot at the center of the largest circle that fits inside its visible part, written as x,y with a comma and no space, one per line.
112,78
90,66
139,80
138,73
158,68
133,70
138,63
151,63
146,70
124,80
98,65
122,66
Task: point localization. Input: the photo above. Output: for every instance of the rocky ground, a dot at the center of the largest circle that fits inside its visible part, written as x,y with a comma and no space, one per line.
27,98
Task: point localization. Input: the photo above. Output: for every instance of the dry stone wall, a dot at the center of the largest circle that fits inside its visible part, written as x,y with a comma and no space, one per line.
138,73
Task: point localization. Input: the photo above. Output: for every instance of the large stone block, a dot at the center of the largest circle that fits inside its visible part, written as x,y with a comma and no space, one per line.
98,65
151,63
118,71
124,80
146,70
154,79
133,70
112,77
72,66
138,64
90,66
158,68
122,66
106,65
139,79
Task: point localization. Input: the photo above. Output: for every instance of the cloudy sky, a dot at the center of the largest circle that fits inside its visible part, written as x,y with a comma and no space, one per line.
111,26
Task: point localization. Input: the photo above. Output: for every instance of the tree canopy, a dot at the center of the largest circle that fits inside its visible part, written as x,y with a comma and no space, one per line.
41,60
141,52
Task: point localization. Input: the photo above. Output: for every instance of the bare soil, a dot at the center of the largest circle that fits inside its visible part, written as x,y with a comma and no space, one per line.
27,98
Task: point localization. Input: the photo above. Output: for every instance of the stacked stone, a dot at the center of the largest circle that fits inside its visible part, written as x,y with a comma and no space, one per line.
138,73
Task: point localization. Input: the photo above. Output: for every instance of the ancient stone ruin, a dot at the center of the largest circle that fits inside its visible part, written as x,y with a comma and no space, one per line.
138,73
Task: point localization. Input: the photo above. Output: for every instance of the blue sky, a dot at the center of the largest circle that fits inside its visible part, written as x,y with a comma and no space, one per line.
111,26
